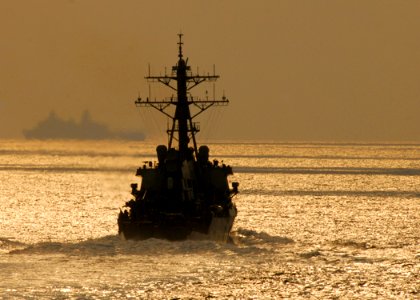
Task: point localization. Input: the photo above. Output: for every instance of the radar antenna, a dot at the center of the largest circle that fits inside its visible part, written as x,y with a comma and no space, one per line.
182,119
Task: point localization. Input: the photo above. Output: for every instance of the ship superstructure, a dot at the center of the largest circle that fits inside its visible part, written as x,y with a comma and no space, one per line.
184,194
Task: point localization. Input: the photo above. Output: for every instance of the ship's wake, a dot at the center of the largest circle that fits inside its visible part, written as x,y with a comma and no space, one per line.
251,237
8,244
243,241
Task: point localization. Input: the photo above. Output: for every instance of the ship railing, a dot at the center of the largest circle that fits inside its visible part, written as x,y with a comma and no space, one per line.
194,128
174,100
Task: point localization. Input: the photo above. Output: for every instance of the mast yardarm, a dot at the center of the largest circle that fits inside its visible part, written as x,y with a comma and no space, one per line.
182,120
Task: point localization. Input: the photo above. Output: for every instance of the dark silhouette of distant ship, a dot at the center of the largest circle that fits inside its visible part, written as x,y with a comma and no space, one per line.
54,127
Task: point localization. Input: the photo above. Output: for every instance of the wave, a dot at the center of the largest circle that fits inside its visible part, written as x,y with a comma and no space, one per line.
102,246
310,254
152,155
353,244
244,242
252,237
320,157
71,153
61,169
110,245
263,170
337,171
7,245
340,193
321,144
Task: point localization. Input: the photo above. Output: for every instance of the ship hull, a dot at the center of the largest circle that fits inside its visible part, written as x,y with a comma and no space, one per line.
177,228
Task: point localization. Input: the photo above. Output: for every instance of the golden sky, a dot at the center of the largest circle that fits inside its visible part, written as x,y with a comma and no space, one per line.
294,70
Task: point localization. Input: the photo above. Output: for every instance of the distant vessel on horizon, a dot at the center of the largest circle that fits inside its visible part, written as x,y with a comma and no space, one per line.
54,127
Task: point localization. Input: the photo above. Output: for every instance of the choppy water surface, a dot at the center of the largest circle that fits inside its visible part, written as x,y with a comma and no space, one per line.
315,221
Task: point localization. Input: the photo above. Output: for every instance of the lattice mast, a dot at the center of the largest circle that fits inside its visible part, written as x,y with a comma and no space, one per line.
182,120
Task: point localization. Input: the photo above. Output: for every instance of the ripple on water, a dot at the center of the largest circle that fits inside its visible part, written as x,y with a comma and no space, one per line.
315,221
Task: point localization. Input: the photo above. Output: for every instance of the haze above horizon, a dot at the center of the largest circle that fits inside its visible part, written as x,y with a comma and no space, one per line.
293,70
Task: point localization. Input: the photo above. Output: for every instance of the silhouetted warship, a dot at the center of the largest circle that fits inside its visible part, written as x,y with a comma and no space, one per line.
182,195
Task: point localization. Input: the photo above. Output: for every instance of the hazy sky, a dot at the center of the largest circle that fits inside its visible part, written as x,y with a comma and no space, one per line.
293,70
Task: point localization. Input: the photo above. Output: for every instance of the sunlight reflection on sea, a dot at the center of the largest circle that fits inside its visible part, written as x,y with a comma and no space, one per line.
315,220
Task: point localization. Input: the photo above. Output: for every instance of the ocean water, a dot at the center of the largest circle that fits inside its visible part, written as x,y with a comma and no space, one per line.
321,221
